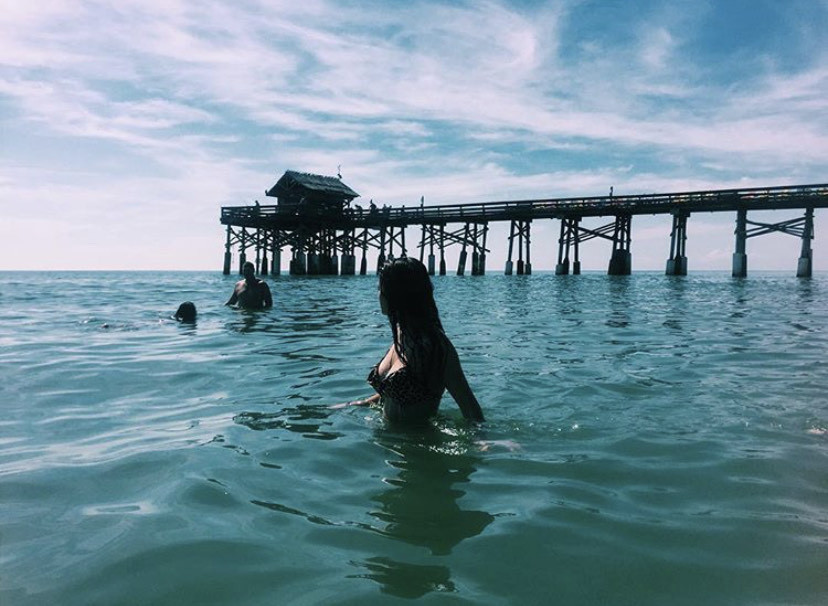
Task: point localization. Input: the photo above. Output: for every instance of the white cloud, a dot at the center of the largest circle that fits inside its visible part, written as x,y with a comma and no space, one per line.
477,101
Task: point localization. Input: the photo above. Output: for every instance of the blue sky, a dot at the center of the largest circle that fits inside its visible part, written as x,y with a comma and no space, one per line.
125,126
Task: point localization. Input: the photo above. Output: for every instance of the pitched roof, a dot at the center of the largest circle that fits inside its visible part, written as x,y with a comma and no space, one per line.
316,183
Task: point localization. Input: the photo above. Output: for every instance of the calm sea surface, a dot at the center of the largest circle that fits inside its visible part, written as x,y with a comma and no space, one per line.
650,440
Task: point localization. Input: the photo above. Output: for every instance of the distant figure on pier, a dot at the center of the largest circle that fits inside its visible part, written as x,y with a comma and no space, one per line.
421,362
251,293
186,312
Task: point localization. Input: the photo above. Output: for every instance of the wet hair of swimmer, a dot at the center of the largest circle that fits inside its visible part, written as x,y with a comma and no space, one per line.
413,315
407,288
186,312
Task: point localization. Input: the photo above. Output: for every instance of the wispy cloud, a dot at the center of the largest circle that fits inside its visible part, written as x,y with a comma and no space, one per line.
455,101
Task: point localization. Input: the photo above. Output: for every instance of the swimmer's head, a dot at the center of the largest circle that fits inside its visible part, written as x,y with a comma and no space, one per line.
406,293
186,312
249,270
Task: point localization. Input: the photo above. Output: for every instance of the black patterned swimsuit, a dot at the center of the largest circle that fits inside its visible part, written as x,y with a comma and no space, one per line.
404,397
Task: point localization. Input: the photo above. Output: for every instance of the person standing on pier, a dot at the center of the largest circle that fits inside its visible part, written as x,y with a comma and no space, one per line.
421,362
251,293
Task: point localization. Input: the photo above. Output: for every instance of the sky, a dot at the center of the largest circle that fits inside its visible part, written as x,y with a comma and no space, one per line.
126,126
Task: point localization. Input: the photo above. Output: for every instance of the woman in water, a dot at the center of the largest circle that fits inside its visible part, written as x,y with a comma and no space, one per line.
421,362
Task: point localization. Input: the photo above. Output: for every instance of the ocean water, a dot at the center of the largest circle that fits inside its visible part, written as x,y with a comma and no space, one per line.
650,440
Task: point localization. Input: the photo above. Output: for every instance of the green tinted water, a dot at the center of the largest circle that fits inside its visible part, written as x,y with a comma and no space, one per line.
670,433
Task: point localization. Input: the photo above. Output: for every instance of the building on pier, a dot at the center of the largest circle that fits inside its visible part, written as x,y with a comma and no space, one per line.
313,194
313,217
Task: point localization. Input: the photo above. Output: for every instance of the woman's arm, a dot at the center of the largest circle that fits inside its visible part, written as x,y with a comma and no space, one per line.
364,402
458,386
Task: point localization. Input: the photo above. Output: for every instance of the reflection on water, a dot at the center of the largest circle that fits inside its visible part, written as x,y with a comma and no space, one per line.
245,320
405,580
619,301
305,420
421,508
419,503
676,302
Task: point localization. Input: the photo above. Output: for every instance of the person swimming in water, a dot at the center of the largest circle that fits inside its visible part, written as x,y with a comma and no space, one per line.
186,312
251,293
421,362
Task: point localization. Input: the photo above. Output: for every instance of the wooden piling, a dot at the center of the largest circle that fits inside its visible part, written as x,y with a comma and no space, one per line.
562,268
442,250
740,255
677,262
276,261
805,265
508,269
621,261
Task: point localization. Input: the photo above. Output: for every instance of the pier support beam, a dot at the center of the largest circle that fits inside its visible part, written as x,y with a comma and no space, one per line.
348,267
519,268
298,264
805,267
740,255
801,227
242,239
576,245
479,254
520,229
228,256
469,237
261,268
508,269
677,262
276,261
429,236
363,264
381,256
621,261
442,250
461,263
569,239
262,240
479,263
313,264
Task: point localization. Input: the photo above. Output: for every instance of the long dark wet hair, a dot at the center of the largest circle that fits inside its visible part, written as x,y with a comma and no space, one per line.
419,339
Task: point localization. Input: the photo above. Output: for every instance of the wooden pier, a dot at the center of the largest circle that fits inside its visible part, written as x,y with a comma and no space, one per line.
314,218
